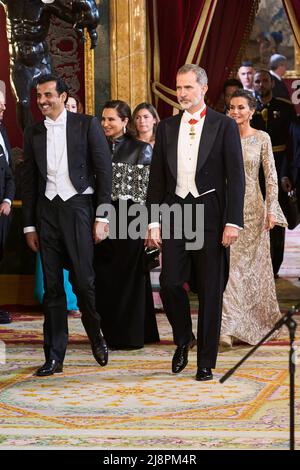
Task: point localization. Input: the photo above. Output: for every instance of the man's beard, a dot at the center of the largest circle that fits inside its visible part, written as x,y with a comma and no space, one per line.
189,104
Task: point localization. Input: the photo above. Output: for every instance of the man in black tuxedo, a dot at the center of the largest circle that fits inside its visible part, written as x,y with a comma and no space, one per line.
197,159
7,190
67,166
278,67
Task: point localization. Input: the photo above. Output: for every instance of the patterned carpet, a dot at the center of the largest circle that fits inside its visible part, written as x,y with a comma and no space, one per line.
136,402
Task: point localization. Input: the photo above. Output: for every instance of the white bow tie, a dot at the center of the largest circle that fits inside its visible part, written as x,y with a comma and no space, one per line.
52,124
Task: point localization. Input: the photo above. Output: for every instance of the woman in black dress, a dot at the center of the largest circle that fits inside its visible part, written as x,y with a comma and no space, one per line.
123,289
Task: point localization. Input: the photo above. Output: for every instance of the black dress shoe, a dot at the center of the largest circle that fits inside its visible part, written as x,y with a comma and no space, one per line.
5,317
100,351
49,368
180,358
203,374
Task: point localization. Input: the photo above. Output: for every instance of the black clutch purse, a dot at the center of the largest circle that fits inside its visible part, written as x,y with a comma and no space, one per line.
291,210
151,259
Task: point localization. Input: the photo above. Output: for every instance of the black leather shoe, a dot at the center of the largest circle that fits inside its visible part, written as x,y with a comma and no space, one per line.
49,368
5,317
100,351
203,374
180,358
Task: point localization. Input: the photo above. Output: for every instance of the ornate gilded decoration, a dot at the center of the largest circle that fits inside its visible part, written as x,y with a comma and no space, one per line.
128,47
89,73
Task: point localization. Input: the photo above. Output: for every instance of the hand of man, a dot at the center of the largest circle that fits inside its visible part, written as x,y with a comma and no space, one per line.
153,238
286,184
4,208
230,235
270,221
100,232
32,241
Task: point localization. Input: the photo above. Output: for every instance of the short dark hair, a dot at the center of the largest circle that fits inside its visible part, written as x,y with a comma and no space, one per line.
246,63
232,82
61,86
264,71
247,95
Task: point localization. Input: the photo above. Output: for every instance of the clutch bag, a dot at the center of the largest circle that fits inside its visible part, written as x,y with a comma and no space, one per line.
291,210
151,258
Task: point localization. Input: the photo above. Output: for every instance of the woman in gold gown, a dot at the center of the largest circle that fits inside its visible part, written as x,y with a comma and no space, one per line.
250,307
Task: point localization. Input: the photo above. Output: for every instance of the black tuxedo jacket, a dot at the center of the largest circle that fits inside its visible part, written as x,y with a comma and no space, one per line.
89,162
280,89
7,185
219,166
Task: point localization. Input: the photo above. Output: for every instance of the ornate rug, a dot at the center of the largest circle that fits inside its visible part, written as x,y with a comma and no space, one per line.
136,402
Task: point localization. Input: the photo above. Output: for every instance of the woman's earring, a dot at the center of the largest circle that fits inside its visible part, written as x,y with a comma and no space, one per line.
124,130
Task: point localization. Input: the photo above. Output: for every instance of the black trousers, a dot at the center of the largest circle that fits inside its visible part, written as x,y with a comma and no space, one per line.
65,235
277,236
207,270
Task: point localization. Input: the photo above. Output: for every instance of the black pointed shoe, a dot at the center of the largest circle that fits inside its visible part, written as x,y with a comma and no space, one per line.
204,373
100,351
180,358
49,368
5,317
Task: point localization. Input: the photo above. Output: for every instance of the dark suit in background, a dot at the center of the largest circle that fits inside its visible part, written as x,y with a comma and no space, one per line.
7,187
275,118
293,169
280,89
65,227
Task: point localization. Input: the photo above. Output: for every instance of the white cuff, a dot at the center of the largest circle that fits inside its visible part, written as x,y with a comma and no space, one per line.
100,219
7,200
153,225
29,229
233,225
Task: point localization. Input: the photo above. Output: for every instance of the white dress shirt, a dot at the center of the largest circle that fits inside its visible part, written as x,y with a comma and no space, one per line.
2,143
58,179
187,151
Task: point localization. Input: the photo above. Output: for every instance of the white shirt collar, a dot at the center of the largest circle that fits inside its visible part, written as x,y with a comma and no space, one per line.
275,75
187,116
62,118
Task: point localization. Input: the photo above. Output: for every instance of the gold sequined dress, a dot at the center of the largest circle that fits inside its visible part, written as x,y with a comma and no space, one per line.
250,306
